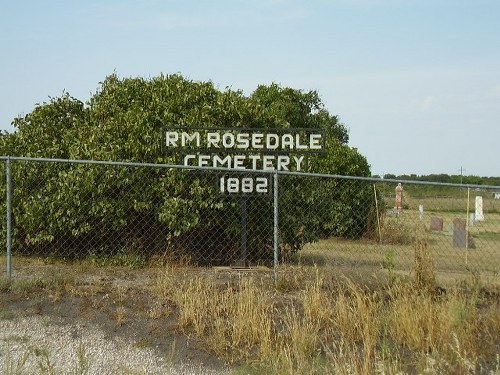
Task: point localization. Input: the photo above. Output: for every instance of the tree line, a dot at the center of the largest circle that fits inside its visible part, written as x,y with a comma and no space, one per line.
445,178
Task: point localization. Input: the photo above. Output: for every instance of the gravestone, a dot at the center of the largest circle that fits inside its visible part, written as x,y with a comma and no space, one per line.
450,228
479,208
437,223
472,219
399,198
461,237
458,223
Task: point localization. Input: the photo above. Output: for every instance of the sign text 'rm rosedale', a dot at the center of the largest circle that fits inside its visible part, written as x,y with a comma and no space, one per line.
244,148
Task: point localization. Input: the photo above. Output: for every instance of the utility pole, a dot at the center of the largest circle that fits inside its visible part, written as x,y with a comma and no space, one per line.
462,170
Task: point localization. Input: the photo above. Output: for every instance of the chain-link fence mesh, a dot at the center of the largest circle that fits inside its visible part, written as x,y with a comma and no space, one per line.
132,214
452,230
3,226
135,214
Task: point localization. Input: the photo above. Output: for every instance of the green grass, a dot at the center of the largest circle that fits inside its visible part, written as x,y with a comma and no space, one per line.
449,204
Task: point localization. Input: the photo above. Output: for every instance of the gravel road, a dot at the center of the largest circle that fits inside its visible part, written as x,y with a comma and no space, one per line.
44,345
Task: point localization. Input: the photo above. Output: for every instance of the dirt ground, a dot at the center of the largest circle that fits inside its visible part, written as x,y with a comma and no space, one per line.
117,301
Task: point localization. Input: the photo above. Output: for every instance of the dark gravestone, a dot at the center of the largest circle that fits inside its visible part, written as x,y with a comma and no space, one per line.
461,237
437,223
458,223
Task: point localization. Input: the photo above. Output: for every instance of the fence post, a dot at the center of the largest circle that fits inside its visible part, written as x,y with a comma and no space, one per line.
8,233
276,226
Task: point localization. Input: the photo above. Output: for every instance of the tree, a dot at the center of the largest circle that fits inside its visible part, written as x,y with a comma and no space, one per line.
85,209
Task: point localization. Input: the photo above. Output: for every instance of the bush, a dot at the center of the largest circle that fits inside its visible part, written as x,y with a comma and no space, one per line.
60,208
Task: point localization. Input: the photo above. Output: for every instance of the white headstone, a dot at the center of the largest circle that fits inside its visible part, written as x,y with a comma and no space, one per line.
472,219
479,208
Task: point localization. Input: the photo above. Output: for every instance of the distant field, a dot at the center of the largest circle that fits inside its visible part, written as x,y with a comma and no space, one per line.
369,258
457,203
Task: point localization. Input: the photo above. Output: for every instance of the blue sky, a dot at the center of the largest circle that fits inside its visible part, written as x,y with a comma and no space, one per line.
416,82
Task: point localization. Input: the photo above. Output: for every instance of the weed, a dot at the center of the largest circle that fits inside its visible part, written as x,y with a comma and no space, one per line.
120,312
120,315
390,265
423,268
6,314
465,364
83,365
5,284
396,231
56,284
319,324
159,310
15,366
121,259
142,343
171,354
43,361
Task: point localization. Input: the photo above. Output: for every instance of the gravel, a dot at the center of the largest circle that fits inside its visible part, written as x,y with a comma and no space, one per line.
41,344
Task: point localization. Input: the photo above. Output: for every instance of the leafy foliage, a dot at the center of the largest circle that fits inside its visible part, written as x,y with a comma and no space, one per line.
93,210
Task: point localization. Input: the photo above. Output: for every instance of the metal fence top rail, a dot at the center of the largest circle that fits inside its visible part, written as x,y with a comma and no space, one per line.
219,169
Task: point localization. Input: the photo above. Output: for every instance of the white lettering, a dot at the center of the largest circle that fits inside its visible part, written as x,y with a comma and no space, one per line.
254,159
222,184
257,140
267,164
213,140
187,158
233,185
228,140
238,161
283,162
203,160
298,162
247,185
272,141
287,141
222,162
186,138
171,139
315,141
261,184
298,145
243,140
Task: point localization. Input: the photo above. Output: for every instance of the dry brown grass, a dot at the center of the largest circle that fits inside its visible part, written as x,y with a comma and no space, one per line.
335,325
423,268
120,312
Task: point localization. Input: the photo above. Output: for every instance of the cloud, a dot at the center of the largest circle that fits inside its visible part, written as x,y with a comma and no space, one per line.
428,103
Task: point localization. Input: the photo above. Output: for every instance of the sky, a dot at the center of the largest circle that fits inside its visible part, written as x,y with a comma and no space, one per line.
416,82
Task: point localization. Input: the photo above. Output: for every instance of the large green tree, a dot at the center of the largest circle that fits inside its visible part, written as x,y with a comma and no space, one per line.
78,209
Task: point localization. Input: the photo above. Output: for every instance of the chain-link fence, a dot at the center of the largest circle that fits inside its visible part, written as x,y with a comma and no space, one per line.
450,229
139,214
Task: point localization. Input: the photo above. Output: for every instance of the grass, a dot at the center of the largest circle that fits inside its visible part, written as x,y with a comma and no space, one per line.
366,258
448,204
312,319
335,325
390,316
413,304
55,284
18,364
120,312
